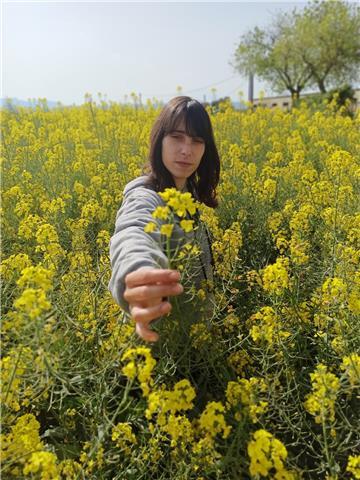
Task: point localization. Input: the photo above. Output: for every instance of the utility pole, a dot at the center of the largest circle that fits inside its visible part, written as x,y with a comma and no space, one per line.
251,88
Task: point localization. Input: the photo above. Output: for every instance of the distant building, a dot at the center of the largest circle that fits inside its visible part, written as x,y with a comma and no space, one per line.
285,102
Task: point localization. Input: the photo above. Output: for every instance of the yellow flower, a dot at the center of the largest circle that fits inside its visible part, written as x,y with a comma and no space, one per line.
321,401
36,277
275,277
44,463
23,446
123,436
140,364
180,430
33,302
150,227
267,326
179,202
163,401
266,453
102,239
353,466
46,234
15,263
248,393
167,229
187,225
351,365
161,212
334,291
212,420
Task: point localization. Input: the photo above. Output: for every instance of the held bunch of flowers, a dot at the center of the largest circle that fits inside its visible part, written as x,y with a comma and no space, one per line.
267,387
180,207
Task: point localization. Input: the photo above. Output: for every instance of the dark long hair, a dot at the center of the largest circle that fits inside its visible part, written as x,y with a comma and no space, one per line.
203,182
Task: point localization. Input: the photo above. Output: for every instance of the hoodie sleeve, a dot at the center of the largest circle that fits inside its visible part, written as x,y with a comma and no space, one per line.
131,247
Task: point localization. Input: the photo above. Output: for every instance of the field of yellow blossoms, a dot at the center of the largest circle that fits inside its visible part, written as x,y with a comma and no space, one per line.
266,386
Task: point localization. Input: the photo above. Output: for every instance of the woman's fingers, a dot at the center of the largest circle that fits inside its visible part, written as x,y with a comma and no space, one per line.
144,315
147,275
146,333
146,289
145,293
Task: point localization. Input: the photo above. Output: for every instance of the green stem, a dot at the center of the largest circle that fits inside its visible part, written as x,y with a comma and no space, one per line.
326,447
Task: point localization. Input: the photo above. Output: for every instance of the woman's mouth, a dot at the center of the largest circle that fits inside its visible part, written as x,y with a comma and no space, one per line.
183,164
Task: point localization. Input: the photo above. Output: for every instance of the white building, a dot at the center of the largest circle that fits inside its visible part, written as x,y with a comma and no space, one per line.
284,101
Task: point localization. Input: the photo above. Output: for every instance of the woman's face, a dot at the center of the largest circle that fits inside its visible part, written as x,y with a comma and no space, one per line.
181,154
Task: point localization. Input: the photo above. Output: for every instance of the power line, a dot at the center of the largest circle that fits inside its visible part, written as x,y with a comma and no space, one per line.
232,91
191,90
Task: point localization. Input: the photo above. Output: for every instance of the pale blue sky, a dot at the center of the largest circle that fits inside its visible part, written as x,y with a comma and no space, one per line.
61,50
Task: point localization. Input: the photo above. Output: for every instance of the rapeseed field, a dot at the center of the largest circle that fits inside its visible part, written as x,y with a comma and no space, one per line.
265,385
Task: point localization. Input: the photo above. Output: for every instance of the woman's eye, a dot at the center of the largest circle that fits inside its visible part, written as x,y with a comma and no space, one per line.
198,140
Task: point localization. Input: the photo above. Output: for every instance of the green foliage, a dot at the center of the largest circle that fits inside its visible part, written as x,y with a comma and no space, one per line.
318,46
342,99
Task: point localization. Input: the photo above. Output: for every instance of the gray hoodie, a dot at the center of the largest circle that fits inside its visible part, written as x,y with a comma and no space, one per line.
132,248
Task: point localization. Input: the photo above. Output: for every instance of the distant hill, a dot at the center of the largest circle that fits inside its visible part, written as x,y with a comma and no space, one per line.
17,102
239,106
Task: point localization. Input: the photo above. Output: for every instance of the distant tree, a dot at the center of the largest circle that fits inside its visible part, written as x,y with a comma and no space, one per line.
267,54
328,42
319,45
216,105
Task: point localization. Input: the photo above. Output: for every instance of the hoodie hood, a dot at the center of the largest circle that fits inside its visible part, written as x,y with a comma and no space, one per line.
137,182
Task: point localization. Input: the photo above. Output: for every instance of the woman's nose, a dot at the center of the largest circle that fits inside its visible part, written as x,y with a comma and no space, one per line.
186,146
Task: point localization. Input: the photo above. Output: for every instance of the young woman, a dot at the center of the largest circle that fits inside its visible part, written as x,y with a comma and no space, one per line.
182,154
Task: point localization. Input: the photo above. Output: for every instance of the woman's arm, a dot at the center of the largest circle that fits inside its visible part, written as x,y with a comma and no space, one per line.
132,252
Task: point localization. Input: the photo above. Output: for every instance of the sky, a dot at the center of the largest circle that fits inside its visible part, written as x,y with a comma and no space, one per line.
62,50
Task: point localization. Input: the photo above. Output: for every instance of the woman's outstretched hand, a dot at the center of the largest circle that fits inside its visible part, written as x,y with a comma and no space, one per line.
145,291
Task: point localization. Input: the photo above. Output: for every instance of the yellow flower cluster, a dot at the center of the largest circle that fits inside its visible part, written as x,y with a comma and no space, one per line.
180,204
200,335
321,401
353,466
351,366
32,302
247,397
36,277
166,406
267,456
161,402
22,447
140,365
13,265
13,368
266,326
226,250
91,458
212,421
239,360
123,436
43,463
334,291
275,277
180,430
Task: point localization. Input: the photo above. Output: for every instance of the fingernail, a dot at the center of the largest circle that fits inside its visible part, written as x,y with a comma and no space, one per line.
165,307
175,276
